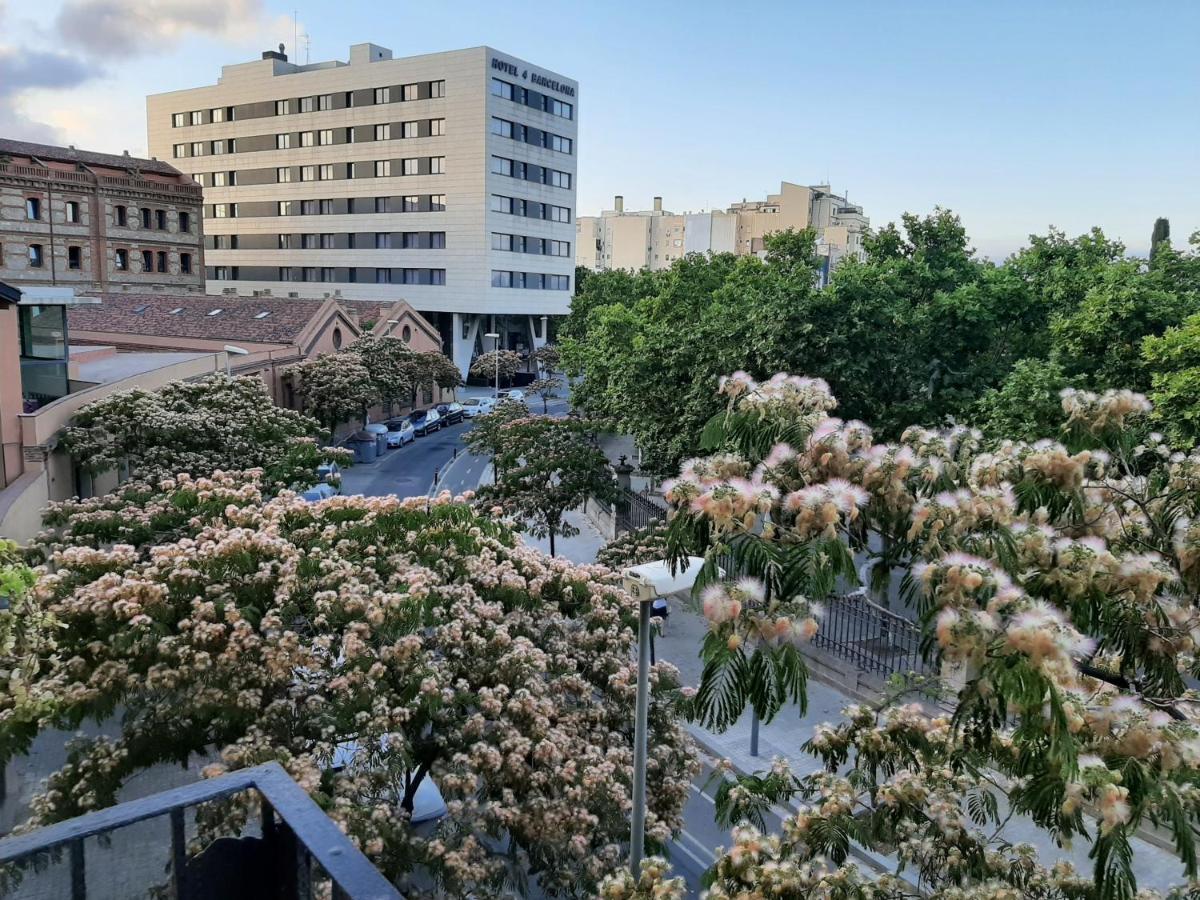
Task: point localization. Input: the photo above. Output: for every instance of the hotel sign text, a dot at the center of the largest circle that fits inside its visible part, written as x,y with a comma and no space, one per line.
541,81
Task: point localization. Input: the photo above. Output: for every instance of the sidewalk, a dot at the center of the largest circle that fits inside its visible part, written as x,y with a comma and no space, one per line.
579,548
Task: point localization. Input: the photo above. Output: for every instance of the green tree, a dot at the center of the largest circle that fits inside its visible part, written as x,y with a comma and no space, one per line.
1174,363
544,388
386,360
496,366
334,387
550,466
1026,406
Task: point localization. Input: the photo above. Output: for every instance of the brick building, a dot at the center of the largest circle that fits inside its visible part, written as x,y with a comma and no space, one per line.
98,222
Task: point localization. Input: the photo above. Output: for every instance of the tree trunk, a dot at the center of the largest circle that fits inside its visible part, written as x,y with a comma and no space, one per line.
552,541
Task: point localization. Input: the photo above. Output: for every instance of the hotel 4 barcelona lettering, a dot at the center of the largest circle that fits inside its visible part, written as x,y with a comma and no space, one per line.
540,80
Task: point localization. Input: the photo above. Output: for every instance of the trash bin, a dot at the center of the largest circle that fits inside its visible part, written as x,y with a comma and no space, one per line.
379,430
363,444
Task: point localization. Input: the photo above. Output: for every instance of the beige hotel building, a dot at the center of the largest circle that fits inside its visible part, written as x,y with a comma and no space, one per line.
447,180
655,238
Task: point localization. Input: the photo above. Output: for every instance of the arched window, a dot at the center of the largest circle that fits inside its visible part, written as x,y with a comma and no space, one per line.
337,339
406,334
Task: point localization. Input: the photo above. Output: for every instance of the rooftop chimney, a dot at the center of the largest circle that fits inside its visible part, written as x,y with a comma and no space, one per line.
619,203
275,54
658,204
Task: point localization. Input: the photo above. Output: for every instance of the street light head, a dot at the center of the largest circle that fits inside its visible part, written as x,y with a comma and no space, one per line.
492,335
236,351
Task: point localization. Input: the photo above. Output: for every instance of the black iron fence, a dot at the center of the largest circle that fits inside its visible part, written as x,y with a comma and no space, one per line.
873,638
298,842
635,511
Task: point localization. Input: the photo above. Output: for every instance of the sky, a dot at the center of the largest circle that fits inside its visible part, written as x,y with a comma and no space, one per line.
1017,115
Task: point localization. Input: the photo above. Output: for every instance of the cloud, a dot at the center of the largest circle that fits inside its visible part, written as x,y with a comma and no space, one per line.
22,71
115,29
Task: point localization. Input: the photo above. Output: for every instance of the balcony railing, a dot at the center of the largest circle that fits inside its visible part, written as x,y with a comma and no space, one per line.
296,833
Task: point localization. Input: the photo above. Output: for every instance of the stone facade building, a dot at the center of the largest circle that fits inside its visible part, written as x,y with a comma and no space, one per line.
98,222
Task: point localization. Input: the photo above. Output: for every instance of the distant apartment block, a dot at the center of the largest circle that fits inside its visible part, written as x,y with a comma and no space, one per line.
655,238
447,180
97,221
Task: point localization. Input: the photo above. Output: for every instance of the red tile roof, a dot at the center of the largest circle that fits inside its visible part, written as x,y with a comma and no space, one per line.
49,152
194,316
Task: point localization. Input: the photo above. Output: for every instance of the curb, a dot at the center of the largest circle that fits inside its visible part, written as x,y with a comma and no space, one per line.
435,485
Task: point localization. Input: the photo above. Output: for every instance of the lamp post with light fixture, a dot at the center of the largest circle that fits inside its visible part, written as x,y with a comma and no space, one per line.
647,583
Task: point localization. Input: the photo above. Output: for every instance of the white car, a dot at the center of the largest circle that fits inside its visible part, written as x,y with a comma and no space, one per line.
400,432
331,474
478,406
514,394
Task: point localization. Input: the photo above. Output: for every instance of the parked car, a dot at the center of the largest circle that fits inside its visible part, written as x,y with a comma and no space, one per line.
400,432
320,491
451,413
331,474
514,394
478,406
425,421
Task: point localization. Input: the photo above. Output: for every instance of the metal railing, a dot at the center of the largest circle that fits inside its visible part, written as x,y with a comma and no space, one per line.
295,834
873,638
635,511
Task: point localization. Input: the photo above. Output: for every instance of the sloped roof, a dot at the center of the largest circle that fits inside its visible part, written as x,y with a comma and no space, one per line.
86,157
197,316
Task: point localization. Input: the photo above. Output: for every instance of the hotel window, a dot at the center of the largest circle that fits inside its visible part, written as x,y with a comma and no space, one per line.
327,242
147,261
218,179
383,95
73,212
502,166
308,207
383,132
437,127
197,118
220,211
308,173
325,101
437,89
559,179
502,127
502,89
33,208
326,207
558,282
559,108
185,222
501,241
185,263
308,104
382,205
349,99
308,273
121,261
411,166
325,137
502,204
218,114
501,279
410,240
283,141
36,260
179,151
554,142
120,215
198,148
307,139
411,129
221,273
437,240
160,219
383,240
410,92
218,148
353,171
559,248
560,214
145,217
285,273
281,107
308,242
327,274
285,242
178,120
411,203
383,276
437,202
325,172
74,258
162,261
383,168
437,165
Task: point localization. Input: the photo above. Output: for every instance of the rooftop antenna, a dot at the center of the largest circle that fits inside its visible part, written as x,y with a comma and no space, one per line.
307,47
296,34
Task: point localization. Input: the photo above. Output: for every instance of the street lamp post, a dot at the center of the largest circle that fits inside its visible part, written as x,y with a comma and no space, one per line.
496,350
231,350
647,583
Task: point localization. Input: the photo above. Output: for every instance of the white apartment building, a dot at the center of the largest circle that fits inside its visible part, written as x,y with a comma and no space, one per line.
655,238
447,180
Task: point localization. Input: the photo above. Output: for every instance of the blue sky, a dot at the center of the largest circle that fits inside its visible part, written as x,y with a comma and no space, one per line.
1016,115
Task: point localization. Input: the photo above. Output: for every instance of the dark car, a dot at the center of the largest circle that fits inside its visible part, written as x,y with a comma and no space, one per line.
425,421
451,413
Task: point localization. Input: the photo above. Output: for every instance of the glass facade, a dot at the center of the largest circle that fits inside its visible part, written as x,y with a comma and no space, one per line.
43,335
